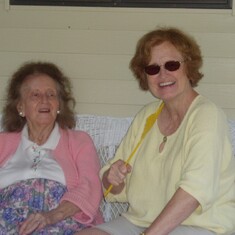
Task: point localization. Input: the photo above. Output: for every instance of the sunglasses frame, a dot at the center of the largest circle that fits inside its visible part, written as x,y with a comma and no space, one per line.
165,65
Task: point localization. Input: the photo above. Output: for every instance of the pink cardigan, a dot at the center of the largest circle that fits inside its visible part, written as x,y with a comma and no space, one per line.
78,158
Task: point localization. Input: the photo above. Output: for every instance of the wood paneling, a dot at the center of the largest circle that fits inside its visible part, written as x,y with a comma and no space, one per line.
93,46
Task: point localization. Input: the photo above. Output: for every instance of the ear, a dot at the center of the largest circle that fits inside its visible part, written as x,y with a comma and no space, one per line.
20,109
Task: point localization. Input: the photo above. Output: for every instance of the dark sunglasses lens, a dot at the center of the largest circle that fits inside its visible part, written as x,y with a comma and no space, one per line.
152,69
172,65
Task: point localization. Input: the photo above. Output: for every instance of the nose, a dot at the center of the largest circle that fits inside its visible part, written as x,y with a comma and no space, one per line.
44,98
162,71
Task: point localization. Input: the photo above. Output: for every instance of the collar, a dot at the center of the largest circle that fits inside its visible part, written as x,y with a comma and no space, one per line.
50,144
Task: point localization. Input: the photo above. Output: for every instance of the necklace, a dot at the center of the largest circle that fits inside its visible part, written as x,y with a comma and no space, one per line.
161,146
37,158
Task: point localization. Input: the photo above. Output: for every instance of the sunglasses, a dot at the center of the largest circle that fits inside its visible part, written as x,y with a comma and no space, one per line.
171,65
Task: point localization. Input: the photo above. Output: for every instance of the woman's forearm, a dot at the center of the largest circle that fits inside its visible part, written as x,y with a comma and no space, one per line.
64,210
176,211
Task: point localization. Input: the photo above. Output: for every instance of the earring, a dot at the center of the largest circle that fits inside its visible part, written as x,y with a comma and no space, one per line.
58,111
21,114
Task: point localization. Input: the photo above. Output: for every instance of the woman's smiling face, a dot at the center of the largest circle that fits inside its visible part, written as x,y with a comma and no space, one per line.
166,84
39,100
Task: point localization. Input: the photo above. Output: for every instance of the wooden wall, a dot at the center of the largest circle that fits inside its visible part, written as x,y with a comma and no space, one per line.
93,46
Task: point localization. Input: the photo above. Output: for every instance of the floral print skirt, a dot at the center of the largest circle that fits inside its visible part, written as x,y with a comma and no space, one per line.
19,200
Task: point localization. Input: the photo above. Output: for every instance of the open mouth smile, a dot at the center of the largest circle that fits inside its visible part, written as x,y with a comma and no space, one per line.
44,110
165,84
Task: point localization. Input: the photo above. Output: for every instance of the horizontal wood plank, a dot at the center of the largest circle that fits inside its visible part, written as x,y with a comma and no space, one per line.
144,19
100,42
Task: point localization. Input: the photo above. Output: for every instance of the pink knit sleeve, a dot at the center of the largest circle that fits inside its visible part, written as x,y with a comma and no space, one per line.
9,142
84,185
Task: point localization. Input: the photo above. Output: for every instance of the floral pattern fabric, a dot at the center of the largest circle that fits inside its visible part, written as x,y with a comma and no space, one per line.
19,200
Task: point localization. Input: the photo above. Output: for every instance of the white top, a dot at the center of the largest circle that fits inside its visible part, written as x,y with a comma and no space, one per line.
33,161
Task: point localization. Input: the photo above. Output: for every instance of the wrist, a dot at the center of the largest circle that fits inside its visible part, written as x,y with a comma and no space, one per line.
54,216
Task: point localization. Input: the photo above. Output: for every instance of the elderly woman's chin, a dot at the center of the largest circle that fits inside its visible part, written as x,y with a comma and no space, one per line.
43,118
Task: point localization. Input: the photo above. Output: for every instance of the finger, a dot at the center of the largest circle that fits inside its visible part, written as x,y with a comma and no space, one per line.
129,168
117,164
25,224
42,218
29,227
123,169
116,178
33,222
117,183
41,225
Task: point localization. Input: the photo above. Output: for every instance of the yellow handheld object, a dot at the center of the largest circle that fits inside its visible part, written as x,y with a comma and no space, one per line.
148,125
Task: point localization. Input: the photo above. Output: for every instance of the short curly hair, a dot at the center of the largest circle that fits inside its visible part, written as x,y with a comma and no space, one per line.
12,122
184,43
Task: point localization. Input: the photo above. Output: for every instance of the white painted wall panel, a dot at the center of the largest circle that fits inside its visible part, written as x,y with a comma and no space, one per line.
93,46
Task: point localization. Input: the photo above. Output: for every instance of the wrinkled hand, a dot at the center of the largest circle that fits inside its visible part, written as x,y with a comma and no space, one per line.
118,172
34,222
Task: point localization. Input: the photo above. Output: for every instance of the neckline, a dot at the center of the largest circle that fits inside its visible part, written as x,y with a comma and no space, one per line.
183,120
51,142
